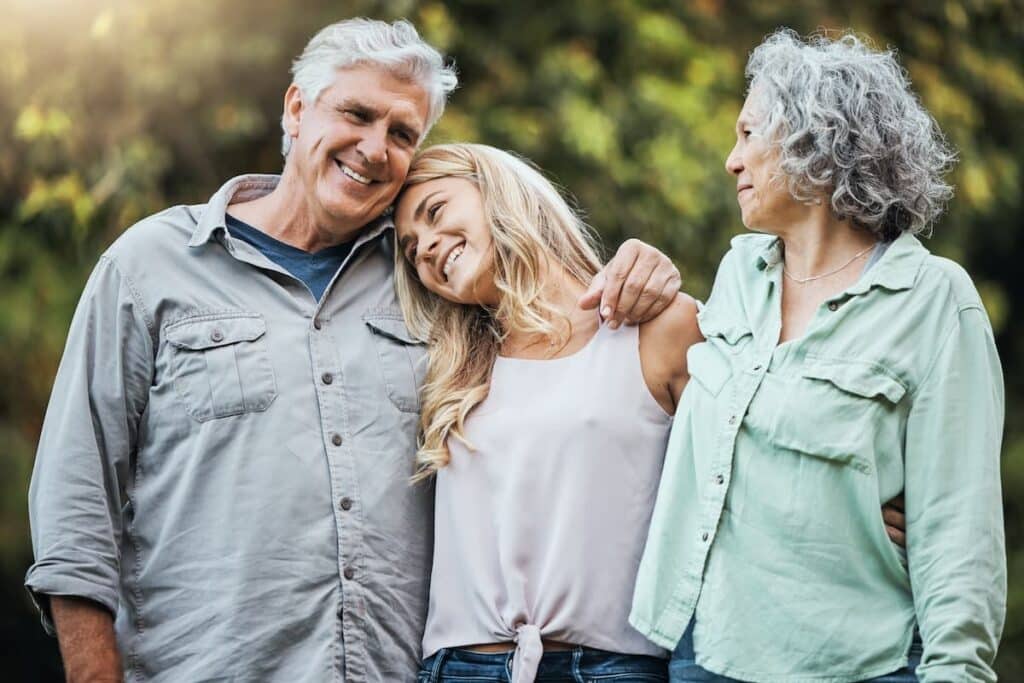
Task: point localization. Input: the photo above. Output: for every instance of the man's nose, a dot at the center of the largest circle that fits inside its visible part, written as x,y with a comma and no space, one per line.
373,146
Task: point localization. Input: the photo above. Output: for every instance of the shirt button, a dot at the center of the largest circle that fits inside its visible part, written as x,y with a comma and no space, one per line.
336,439
345,503
833,306
704,536
327,378
349,573
216,335
719,479
732,419
757,368
316,323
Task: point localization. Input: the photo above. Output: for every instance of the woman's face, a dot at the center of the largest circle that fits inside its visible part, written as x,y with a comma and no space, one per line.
764,200
443,233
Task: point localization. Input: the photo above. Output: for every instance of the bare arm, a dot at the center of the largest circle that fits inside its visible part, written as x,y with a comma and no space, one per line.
85,631
664,341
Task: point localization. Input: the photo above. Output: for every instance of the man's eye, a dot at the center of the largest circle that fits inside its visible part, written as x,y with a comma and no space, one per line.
747,133
359,116
404,137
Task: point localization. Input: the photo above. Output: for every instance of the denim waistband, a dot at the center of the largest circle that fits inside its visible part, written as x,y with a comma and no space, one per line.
580,663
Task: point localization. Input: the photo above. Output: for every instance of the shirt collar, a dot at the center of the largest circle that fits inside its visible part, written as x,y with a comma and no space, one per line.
897,268
251,186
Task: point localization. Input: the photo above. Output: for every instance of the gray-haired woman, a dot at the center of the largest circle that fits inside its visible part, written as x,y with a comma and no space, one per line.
843,364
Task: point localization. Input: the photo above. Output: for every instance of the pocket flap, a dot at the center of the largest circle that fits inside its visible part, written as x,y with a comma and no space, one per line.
862,379
391,327
708,367
197,334
714,324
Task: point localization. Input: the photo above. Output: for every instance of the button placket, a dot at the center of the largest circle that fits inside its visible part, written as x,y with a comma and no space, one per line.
340,466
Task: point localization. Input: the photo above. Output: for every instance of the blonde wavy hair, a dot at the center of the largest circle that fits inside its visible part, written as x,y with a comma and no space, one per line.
533,230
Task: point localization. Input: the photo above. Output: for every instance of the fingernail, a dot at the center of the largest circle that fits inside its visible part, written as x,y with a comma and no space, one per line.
606,311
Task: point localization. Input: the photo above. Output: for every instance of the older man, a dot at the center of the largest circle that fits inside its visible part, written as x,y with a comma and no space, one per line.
221,488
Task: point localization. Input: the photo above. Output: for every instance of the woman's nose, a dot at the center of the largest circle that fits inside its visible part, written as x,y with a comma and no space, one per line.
733,162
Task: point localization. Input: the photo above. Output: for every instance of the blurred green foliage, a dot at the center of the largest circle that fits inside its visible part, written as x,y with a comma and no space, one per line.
113,109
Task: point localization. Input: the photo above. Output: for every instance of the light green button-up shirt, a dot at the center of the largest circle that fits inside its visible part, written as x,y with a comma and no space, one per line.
768,527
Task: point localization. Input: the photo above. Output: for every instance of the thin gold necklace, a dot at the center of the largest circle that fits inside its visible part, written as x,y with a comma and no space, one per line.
802,280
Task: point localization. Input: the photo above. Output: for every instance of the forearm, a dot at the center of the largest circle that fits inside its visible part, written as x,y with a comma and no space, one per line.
85,631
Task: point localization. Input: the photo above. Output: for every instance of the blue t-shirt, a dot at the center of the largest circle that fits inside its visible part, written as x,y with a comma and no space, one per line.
315,270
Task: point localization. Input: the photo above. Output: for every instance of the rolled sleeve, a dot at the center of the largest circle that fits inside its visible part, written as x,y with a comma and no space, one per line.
79,482
955,538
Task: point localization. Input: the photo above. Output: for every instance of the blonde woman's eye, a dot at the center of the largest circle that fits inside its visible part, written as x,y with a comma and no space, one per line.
432,211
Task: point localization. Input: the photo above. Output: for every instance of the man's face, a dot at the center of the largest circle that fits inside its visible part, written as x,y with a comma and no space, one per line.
352,148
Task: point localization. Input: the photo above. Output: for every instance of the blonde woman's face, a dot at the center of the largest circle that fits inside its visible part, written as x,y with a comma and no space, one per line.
443,233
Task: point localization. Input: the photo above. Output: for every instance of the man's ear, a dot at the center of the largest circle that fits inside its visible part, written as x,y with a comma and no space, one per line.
293,109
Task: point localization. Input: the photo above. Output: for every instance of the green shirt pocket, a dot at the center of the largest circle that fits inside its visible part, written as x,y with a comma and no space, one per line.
831,411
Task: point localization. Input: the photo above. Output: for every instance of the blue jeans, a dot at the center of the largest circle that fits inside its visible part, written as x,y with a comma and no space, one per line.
683,669
581,665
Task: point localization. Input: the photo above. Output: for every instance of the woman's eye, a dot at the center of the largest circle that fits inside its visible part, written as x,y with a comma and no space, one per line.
432,211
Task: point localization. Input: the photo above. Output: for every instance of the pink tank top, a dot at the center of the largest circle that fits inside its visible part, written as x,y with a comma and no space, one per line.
539,532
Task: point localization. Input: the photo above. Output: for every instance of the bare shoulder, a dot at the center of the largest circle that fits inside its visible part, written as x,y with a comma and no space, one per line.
674,327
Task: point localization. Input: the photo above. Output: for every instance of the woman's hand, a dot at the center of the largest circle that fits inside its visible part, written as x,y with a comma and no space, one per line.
635,286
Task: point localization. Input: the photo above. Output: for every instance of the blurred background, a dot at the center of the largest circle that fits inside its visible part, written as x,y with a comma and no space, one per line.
111,110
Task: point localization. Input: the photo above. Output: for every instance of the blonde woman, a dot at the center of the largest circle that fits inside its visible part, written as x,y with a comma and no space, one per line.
544,428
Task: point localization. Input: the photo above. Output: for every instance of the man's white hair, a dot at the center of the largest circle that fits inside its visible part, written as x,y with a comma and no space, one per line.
396,48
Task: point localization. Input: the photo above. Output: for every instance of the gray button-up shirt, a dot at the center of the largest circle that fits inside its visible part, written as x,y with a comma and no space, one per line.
225,461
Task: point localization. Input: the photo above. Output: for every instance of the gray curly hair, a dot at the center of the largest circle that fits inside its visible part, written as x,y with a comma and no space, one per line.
396,48
847,124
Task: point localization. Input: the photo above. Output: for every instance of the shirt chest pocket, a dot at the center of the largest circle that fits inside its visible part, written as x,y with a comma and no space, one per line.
839,410
402,359
708,367
220,366
710,362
